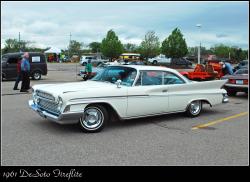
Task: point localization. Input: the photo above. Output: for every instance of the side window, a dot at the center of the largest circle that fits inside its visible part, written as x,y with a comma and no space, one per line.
150,78
12,60
170,78
35,59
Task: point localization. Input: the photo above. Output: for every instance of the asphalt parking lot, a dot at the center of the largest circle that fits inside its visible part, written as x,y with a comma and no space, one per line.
174,139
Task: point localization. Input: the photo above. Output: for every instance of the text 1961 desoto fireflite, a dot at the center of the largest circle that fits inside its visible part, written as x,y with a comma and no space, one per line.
127,92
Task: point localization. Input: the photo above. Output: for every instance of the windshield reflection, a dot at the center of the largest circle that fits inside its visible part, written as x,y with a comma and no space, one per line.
113,73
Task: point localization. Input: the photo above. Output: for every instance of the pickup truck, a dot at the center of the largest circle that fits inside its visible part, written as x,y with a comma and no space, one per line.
160,59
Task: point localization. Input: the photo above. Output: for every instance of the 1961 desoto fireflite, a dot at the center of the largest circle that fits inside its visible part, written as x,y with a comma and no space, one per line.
127,92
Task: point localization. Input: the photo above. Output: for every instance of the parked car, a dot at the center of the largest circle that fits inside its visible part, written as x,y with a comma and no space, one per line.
181,62
125,91
242,64
160,59
238,82
94,60
38,65
171,62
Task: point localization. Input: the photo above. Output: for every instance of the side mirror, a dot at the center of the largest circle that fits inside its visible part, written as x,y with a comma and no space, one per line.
118,83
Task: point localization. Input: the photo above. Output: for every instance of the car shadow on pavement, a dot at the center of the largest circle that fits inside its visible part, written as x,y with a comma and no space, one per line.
56,128
121,124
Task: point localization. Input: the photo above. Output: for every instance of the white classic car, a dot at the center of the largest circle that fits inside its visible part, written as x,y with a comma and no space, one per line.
126,91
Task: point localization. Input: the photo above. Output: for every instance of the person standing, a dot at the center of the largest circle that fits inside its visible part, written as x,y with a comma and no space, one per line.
25,71
18,78
88,69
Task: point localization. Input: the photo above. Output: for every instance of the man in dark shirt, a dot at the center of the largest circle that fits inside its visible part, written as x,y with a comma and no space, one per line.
25,70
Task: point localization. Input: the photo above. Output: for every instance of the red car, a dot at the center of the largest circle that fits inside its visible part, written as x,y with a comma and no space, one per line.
238,82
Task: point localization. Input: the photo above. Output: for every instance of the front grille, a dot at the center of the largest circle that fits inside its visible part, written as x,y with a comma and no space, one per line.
45,95
48,106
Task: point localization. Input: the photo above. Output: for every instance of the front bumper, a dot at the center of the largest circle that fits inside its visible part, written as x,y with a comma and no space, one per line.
64,118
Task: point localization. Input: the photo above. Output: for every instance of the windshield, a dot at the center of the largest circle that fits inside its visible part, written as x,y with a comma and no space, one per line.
113,73
241,72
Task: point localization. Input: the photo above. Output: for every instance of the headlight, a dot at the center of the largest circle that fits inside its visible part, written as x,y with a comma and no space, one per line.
34,95
60,103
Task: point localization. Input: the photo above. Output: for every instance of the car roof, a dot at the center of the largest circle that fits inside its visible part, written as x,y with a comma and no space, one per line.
14,54
146,67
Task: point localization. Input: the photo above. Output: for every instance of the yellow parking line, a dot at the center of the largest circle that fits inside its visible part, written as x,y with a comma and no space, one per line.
218,121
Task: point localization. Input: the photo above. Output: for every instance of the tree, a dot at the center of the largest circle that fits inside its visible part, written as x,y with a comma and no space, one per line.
174,45
13,45
75,47
150,46
130,47
95,47
111,46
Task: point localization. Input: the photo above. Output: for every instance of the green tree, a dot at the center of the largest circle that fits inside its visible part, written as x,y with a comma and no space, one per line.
130,47
111,46
75,47
174,45
150,46
222,50
13,45
95,47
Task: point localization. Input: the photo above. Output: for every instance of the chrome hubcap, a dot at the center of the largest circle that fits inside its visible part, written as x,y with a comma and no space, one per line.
36,75
195,107
92,118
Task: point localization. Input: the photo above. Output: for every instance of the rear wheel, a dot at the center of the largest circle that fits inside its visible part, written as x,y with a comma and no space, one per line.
194,108
155,62
37,75
94,118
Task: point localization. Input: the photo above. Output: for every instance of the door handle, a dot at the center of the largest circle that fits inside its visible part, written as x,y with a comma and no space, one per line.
165,90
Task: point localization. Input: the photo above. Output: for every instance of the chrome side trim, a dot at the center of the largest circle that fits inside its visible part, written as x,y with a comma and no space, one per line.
156,114
168,94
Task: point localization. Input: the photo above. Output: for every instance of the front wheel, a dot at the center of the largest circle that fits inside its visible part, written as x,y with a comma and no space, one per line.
154,62
94,118
194,108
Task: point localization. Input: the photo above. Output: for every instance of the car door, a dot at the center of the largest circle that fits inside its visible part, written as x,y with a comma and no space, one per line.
11,67
177,95
148,96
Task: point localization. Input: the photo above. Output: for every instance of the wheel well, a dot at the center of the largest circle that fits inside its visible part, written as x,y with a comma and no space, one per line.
114,115
37,70
206,102
203,101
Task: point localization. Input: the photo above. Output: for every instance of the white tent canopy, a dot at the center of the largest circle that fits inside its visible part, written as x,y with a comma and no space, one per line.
53,50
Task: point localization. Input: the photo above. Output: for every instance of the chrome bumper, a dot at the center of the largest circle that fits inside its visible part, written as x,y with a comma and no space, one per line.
66,118
225,98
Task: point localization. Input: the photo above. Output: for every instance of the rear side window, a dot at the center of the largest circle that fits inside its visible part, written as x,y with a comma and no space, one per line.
35,59
170,78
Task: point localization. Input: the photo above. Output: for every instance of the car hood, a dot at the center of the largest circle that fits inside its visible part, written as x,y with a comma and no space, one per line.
58,89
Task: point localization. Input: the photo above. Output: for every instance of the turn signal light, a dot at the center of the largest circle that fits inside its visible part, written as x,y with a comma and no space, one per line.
245,82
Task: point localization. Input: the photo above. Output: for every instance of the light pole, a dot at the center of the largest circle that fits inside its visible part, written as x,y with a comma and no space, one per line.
199,47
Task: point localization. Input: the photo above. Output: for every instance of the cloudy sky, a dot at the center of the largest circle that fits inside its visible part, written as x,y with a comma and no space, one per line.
50,23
